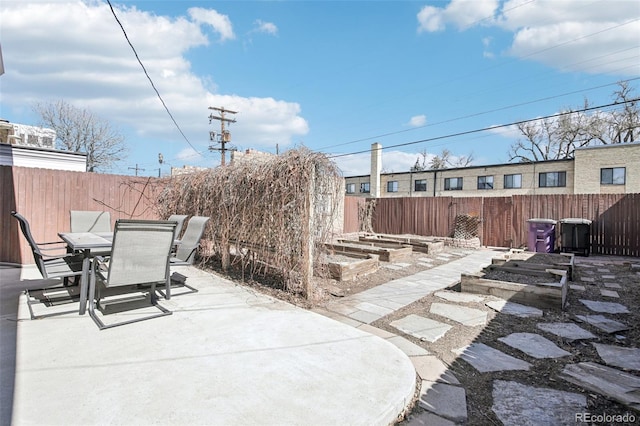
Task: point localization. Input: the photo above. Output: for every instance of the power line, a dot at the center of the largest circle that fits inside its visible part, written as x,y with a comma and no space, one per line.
473,115
499,126
149,77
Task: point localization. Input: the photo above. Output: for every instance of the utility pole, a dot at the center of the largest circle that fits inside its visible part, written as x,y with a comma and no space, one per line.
224,136
136,168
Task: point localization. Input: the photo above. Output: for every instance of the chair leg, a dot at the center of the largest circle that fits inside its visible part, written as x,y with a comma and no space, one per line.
168,288
92,301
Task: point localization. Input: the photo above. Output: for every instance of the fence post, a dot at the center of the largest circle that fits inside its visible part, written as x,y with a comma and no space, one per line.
307,237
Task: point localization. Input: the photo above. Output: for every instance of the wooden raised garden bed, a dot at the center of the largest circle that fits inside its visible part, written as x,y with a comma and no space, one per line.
517,260
385,254
354,266
422,245
534,287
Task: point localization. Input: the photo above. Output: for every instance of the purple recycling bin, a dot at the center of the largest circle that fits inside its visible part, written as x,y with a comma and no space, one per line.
542,235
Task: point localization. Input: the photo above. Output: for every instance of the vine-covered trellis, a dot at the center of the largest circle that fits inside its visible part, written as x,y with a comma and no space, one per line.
270,216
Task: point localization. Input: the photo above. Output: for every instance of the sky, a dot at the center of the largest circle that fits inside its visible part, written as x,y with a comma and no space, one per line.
332,76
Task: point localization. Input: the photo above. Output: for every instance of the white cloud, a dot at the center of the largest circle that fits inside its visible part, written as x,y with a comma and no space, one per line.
418,120
272,122
67,61
188,155
569,35
355,164
486,43
398,162
461,13
392,162
508,132
220,23
431,19
265,27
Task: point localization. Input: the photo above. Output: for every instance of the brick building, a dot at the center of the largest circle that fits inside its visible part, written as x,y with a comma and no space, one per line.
605,169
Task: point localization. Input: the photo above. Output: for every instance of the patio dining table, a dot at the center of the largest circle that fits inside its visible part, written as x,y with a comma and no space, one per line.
85,242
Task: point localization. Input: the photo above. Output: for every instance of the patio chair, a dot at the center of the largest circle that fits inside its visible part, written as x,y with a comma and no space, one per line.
140,255
90,221
179,219
186,252
63,265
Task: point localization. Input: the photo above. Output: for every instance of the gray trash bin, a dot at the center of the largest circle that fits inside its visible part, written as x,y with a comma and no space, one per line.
575,236
542,235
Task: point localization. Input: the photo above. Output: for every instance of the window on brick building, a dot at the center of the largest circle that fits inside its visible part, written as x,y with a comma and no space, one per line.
392,186
552,179
420,185
512,181
485,182
612,176
453,184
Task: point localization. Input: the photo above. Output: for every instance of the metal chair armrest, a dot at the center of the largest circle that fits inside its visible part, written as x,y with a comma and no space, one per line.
59,243
58,256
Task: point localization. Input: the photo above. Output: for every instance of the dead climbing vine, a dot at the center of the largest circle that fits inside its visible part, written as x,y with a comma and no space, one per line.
269,218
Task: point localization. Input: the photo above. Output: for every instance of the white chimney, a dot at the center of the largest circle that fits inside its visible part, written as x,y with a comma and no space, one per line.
376,167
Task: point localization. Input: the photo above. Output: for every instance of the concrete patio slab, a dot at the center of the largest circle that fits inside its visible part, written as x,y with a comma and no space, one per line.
603,323
485,358
618,356
421,327
518,404
460,314
534,345
566,330
227,355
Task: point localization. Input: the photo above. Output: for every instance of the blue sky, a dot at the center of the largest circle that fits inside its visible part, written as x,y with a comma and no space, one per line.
334,76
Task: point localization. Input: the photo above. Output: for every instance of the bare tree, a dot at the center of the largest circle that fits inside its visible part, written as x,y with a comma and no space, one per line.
558,137
80,130
622,126
421,162
447,160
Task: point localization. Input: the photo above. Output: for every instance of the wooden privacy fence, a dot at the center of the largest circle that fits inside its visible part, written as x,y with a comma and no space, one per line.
351,216
45,198
615,229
